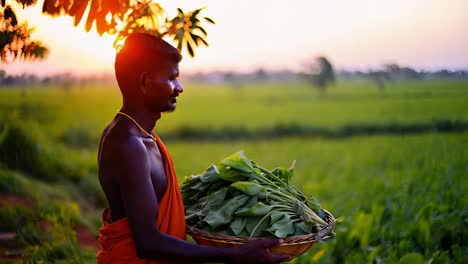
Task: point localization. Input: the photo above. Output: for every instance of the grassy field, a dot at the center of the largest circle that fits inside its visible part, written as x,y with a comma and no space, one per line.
401,198
251,107
397,195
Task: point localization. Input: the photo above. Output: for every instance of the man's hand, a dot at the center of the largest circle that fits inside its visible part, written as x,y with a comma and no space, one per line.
256,251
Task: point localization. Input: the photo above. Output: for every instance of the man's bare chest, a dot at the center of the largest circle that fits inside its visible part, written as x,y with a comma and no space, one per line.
157,171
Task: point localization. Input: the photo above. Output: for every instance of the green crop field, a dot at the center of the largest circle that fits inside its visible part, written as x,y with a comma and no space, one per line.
392,165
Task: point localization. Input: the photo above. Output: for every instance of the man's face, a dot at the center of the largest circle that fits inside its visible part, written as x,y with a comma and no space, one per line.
163,88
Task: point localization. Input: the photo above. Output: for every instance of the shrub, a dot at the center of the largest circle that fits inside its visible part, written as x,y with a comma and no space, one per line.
24,149
90,188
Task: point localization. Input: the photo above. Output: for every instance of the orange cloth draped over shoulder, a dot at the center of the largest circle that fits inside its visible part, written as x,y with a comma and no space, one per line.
117,245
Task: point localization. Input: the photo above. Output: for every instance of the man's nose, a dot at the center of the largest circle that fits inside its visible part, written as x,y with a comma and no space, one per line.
178,88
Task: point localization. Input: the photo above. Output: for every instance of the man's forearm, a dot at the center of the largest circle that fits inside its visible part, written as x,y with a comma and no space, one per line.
162,246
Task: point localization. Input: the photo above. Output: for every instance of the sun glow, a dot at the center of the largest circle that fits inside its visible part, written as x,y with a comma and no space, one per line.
271,34
72,49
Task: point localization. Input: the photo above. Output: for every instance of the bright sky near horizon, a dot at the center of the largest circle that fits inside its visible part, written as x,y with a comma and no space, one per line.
274,34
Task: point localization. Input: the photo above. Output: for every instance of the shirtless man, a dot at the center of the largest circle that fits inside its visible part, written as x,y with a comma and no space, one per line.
135,169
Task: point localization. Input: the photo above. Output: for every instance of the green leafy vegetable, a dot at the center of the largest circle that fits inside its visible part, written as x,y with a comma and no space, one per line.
239,197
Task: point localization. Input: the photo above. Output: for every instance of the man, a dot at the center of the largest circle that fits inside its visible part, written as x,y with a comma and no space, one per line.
145,221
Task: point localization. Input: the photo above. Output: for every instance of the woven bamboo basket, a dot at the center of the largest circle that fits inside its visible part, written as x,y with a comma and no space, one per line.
292,246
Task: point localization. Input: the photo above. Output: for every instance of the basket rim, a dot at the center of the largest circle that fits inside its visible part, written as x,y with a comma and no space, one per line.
291,240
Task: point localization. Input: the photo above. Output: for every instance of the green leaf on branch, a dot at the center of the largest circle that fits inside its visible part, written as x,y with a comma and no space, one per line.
203,30
209,20
190,50
8,13
121,17
77,11
180,11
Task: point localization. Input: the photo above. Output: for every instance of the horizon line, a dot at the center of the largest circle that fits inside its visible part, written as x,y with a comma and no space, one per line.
236,71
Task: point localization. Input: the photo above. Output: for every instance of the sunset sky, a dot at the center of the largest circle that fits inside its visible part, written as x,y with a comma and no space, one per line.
274,34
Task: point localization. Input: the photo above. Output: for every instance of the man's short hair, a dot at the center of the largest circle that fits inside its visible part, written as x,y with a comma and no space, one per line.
142,52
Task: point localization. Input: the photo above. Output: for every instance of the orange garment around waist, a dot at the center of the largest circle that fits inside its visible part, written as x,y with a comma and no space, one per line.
117,245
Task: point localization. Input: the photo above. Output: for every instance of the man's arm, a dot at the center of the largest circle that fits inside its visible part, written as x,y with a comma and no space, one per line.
104,133
141,207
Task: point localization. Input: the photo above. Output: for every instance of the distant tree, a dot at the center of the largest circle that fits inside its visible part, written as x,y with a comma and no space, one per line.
392,69
460,74
322,73
228,77
114,17
2,75
443,74
260,75
411,74
232,79
9,80
396,72
380,78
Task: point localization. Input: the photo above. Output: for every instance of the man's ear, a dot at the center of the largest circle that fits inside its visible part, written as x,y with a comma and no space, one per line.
144,82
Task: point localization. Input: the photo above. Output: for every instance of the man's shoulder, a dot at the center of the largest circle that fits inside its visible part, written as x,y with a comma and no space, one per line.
122,142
